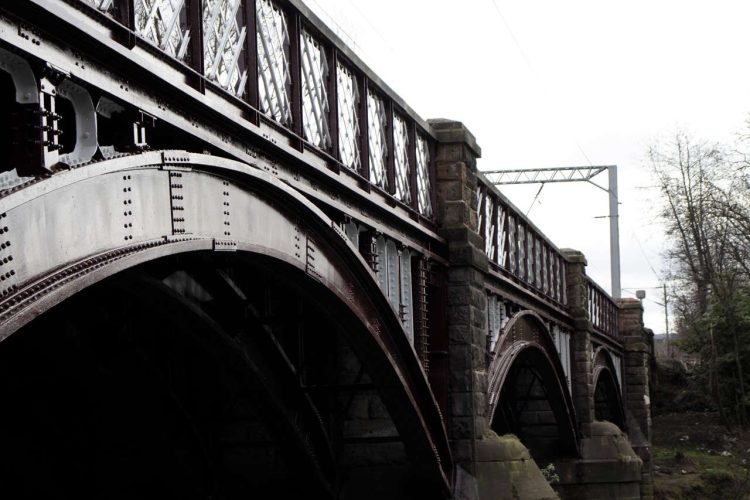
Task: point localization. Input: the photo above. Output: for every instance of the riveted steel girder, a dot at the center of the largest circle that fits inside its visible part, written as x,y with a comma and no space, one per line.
63,233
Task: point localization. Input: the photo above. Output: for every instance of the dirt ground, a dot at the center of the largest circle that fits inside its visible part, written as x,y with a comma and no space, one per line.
695,457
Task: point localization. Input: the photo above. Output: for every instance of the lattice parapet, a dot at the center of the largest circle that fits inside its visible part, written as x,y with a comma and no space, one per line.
271,54
522,251
602,310
555,278
224,33
163,23
348,121
538,263
516,247
106,6
314,94
489,228
424,188
377,125
512,242
547,274
501,218
274,75
401,159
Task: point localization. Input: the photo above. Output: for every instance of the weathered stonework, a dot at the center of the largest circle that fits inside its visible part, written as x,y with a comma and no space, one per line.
491,466
608,467
637,396
487,466
581,363
467,309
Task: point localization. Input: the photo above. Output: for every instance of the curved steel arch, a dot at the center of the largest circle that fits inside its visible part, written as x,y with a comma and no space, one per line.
526,332
604,372
61,234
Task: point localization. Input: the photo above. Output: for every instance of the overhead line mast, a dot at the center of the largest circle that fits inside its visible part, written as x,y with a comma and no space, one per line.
574,174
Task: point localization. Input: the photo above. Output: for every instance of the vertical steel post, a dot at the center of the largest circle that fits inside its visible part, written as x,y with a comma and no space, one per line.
413,191
666,319
614,233
251,48
364,132
333,103
196,49
295,67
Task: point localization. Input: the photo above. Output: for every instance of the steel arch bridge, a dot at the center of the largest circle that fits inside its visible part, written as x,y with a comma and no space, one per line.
234,262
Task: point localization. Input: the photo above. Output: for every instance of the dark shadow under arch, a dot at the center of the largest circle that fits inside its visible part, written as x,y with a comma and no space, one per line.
607,394
528,392
270,222
201,375
532,407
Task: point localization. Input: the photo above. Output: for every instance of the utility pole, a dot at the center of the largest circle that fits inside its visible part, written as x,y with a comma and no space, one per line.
666,320
575,174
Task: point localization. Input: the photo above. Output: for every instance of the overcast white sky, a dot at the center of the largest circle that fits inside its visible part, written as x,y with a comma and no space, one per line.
548,83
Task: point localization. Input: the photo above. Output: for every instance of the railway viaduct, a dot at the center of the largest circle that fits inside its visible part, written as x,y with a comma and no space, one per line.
234,263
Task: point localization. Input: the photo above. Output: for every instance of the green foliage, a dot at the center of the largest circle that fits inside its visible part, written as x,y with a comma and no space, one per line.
705,190
706,475
717,476
550,474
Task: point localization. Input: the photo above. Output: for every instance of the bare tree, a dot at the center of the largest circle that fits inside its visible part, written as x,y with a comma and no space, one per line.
706,193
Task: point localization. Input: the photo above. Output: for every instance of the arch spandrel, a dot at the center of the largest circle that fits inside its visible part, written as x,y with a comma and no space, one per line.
524,329
80,226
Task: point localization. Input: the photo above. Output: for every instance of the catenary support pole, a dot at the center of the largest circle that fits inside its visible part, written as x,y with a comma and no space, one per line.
614,233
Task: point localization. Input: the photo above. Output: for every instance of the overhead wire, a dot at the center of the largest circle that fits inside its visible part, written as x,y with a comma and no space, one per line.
533,72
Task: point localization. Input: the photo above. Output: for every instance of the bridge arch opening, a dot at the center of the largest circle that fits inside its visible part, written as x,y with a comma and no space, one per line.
528,394
159,209
531,406
202,375
607,395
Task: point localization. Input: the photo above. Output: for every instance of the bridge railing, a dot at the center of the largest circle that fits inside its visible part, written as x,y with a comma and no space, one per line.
602,309
279,59
516,248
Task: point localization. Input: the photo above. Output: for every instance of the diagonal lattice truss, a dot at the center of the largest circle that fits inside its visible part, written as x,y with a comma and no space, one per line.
538,264
314,97
274,75
521,251
348,121
516,246
485,220
163,23
376,132
401,159
223,43
103,5
542,175
424,200
499,233
512,253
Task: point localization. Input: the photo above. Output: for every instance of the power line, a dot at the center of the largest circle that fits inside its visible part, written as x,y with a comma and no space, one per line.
530,67
367,20
515,40
341,30
534,200
643,252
